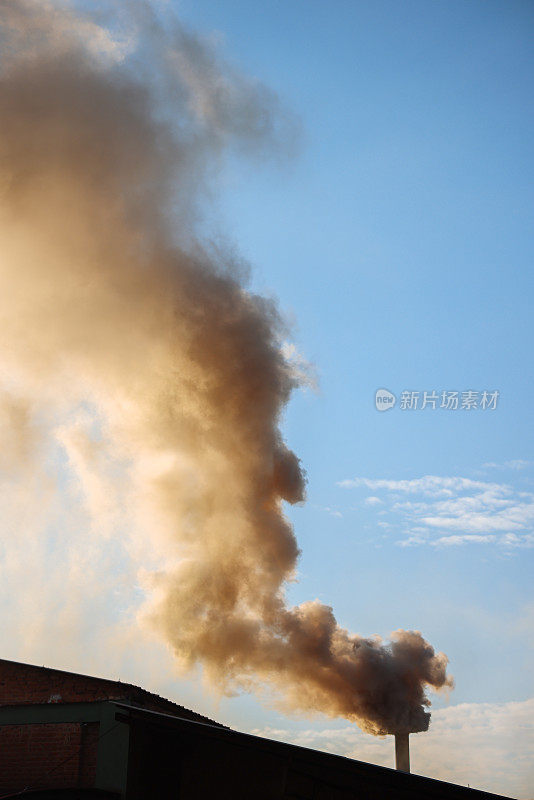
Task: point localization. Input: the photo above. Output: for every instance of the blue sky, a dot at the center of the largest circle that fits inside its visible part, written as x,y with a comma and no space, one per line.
397,243
399,246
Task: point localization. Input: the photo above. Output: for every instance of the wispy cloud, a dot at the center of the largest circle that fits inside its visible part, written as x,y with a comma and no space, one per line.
457,539
436,485
334,512
461,510
486,745
373,501
517,463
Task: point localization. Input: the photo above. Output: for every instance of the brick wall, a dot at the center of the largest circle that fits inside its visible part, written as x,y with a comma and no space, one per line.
21,684
44,756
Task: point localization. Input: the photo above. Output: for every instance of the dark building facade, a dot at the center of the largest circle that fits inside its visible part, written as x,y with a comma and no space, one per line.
52,722
69,736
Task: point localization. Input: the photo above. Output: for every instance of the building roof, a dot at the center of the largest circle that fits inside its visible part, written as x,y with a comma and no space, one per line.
23,684
121,737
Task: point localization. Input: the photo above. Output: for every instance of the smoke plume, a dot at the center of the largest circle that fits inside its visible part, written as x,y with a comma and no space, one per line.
128,335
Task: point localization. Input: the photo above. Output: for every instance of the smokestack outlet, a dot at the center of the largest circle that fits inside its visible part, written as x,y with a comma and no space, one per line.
402,752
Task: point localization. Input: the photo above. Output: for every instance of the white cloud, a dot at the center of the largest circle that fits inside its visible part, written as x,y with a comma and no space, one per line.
334,512
373,501
447,541
461,510
435,485
489,746
517,463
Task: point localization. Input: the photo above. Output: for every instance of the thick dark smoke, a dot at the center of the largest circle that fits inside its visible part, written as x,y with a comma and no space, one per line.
111,300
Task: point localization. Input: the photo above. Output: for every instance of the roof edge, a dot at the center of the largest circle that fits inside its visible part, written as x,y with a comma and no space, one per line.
123,684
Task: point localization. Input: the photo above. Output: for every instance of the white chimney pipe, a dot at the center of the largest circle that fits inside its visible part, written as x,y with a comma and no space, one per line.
402,752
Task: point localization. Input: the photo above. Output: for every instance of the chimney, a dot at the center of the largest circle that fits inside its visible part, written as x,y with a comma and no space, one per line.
402,752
